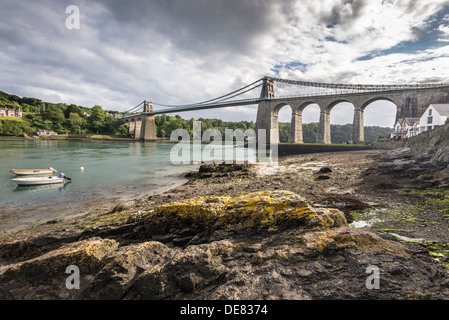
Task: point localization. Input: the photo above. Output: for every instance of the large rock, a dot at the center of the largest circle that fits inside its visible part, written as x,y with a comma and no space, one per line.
45,277
264,245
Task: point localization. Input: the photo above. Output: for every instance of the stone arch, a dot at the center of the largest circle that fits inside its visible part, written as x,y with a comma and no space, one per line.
360,131
324,127
330,106
275,120
301,107
352,120
138,129
380,98
297,130
132,126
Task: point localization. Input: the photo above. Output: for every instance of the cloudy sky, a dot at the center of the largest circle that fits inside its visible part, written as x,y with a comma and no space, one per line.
184,51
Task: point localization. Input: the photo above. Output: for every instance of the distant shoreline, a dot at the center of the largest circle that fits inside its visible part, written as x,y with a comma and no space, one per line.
71,137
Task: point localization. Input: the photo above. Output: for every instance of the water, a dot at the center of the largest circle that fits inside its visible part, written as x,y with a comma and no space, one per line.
113,171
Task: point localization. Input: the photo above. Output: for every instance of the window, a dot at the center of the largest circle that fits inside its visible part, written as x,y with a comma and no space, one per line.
429,120
430,112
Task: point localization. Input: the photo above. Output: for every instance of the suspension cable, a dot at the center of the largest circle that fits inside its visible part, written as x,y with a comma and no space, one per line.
207,101
132,109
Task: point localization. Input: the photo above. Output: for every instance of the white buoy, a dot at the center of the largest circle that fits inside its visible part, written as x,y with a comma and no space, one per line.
82,168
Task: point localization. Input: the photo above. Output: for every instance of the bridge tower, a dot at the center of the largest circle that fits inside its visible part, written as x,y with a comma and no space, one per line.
148,131
142,126
264,119
267,88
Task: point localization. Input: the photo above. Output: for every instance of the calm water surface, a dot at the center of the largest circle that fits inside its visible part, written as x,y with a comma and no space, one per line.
112,171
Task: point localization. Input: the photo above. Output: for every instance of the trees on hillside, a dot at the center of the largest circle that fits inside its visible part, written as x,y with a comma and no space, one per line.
75,123
59,117
339,133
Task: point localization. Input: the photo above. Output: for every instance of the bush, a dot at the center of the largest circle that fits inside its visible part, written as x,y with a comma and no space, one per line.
10,127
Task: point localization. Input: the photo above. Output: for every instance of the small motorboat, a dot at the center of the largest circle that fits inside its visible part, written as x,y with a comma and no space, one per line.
32,181
32,172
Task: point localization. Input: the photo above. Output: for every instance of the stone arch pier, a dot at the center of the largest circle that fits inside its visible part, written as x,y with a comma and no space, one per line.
142,126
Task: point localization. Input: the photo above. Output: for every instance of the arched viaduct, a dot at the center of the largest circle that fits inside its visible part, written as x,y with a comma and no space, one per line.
409,103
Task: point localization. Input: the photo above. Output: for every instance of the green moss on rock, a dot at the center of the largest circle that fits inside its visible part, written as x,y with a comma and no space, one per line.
268,210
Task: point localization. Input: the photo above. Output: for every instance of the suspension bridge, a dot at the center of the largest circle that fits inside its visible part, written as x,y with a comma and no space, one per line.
270,94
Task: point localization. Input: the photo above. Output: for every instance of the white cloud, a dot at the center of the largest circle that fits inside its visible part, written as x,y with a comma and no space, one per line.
444,31
186,51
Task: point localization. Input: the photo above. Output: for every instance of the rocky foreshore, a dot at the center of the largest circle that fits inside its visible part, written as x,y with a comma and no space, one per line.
235,234
262,245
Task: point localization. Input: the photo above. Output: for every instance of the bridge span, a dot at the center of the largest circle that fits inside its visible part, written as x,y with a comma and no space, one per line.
410,100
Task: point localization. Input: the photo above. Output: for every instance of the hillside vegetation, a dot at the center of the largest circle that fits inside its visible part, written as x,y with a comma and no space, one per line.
60,117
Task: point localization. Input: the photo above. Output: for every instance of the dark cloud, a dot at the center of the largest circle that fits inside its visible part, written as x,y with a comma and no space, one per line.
201,26
343,13
178,51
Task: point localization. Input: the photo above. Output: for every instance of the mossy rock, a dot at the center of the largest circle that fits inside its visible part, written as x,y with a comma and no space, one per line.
266,210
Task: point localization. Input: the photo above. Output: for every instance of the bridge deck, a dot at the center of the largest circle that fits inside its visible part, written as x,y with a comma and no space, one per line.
245,102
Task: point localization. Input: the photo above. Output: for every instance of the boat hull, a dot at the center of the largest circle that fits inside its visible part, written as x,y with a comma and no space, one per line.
37,181
31,172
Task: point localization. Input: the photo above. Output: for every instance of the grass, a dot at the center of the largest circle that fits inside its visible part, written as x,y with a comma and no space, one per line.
12,119
329,145
431,191
438,198
398,212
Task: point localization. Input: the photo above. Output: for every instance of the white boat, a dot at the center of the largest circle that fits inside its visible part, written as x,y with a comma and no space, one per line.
32,181
32,172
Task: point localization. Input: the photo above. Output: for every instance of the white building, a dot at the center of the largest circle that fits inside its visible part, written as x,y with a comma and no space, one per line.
435,115
405,128
46,133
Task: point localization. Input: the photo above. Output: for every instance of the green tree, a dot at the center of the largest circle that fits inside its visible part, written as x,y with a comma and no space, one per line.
73,109
309,131
14,127
54,114
75,122
97,119
284,131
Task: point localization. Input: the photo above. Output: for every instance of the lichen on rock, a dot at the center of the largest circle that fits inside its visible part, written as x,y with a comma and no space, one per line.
266,210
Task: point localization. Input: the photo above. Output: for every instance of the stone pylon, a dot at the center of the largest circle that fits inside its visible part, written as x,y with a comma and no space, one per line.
148,131
264,119
358,132
324,128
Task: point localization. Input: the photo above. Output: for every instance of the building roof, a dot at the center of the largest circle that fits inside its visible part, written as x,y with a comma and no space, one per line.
411,121
442,109
408,121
